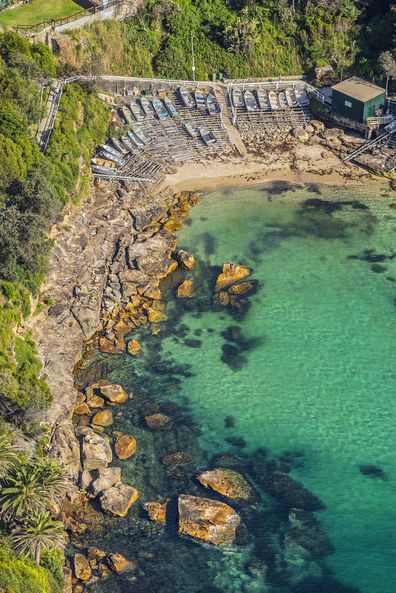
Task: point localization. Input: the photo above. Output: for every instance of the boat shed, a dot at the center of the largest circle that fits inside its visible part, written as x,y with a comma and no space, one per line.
357,99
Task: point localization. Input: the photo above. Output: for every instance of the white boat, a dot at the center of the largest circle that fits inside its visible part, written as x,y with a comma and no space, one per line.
291,98
190,130
128,144
282,100
126,114
110,157
111,150
273,99
237,97
138,131
200,100
301,96
136,111
186,98
135,140
105,171
212,104
207,136
250,101
263,100
146,106
118,146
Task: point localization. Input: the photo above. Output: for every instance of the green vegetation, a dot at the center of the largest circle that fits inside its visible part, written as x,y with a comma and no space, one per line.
33,190
37,11
240,38
32,541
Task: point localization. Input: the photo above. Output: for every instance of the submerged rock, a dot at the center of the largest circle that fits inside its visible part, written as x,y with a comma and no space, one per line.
118,499
186,290
207,520
158,421
227,482
373,471
119,564
185,259
178,458
292,493
230,274
156,510
134,348
125,446
242,289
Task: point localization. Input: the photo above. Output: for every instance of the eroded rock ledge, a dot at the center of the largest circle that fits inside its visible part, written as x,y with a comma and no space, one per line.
116,246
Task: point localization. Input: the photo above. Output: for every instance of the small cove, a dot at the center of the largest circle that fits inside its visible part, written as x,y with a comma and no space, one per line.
307,372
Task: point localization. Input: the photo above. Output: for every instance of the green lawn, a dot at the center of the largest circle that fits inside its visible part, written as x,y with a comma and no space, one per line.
38,11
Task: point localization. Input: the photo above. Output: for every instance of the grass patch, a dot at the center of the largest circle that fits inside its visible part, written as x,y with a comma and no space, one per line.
38,11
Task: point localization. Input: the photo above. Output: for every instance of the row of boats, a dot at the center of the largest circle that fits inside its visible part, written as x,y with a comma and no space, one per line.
137,110
263,100
113,155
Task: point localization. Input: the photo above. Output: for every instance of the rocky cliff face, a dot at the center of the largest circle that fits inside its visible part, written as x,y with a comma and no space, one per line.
91,247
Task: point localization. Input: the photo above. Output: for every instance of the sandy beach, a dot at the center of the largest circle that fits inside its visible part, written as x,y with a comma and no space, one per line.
301,163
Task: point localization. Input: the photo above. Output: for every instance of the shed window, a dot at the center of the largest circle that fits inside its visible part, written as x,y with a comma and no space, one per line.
348,104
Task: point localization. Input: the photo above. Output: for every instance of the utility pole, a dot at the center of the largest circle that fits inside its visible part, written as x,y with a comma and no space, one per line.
193,56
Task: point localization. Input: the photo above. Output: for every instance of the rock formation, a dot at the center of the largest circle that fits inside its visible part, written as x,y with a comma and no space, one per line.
208,520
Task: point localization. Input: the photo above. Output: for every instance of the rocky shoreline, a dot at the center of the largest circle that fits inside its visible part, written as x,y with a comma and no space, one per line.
105,277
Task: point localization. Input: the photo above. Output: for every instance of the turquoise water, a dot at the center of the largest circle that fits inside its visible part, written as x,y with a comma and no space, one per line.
315,369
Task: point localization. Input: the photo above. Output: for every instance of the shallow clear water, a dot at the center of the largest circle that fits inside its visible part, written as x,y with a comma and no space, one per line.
323,381
316,363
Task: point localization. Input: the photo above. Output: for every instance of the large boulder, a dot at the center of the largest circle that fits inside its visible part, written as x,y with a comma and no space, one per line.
114,394
207,520
125,446
96,451
227,482
107,478
82,568
119,564
118,500
103,418
230,274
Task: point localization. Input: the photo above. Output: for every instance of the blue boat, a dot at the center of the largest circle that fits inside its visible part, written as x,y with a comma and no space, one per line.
159,108
200,99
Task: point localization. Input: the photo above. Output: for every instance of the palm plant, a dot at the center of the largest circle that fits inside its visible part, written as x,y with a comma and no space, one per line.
30,487
39,533
8,455
53,478
23,492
